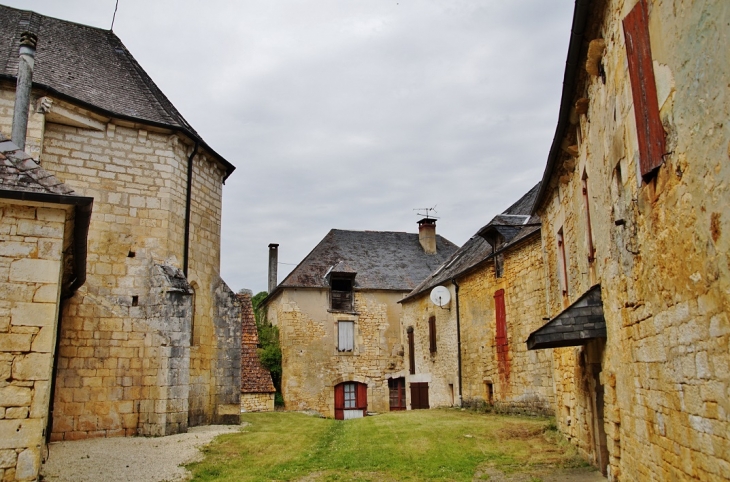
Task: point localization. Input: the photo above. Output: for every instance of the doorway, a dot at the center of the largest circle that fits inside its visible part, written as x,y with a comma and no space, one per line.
397,391
419,395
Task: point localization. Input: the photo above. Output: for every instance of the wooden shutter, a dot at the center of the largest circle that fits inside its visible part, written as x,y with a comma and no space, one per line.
411,354
419,395
339,401
361,398
432,333
650,132
500,317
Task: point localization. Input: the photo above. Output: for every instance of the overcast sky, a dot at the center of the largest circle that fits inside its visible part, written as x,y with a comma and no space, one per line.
349,114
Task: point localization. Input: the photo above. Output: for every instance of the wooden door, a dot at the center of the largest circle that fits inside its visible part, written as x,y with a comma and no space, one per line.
397,389
419,395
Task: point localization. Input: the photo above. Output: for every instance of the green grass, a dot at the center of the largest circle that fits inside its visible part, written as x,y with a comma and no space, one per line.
415,445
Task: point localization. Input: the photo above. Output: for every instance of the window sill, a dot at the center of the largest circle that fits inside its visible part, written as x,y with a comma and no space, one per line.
346,312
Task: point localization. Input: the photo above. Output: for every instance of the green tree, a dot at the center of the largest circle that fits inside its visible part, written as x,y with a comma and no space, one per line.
269,348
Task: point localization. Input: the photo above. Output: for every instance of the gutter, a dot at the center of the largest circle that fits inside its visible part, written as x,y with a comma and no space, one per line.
572,64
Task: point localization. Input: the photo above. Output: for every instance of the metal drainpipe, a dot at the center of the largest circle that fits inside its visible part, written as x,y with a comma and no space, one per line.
458,336
188,196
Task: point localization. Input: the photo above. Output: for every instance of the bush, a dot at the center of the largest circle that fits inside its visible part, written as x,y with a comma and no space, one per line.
269,348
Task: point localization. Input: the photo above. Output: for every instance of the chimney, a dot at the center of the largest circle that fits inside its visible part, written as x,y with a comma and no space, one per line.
26,62
273,264
427,235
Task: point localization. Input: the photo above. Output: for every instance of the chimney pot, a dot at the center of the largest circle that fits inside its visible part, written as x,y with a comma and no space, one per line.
273,265
427,235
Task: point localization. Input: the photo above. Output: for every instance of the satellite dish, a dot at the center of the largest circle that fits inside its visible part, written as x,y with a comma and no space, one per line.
440,296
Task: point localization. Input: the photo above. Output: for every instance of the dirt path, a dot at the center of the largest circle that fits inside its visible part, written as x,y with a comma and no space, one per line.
132,459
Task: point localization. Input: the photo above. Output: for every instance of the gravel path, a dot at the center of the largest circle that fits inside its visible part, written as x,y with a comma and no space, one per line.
129,459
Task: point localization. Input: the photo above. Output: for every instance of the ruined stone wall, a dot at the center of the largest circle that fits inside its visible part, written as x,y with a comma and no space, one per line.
311,364
521,380
661,252
257,402
138,179
31,250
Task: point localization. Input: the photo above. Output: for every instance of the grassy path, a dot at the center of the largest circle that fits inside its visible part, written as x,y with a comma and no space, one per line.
416,445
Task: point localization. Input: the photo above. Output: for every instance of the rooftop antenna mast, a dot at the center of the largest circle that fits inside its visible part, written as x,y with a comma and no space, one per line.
426,212
114,16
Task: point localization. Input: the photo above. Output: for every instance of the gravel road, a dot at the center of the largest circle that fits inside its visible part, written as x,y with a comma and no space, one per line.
129,459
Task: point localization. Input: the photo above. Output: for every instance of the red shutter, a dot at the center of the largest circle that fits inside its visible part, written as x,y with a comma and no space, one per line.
650,132
411,354
432,333
500,317
339,401
361,398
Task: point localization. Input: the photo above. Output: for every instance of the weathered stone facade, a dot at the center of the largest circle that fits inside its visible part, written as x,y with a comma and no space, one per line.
257,402
311,362
651,402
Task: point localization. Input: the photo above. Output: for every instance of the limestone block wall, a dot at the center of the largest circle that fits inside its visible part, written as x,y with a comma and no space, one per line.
661,252
31,250
257,402
311,364
138,178
522,380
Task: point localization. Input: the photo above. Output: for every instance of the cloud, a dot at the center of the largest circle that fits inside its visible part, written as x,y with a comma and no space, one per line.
350,114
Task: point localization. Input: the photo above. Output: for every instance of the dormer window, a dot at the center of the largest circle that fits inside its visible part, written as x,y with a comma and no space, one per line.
341,293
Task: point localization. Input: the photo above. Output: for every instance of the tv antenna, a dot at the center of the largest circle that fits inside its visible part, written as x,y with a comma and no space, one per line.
114,16
426,212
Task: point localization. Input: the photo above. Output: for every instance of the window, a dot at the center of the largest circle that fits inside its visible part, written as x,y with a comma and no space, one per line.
499,265
562,264
397,389
341,294
194,317
500,318
650,132
432,334
411,354
351,400
589,231
349,395
345,336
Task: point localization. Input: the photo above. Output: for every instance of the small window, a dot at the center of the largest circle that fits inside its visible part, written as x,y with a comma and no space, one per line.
562,263
345,336
411,352
499,265
589,230
432,334
341,294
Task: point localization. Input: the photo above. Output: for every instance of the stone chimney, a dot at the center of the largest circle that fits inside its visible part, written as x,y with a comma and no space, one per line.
273,265
427,235
26,62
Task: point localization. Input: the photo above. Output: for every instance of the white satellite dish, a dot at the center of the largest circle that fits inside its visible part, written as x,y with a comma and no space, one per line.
440,296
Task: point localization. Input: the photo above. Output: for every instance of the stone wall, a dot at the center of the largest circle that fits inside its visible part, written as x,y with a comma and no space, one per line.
31,249
311,364
257,402
521,381
661,253
120,369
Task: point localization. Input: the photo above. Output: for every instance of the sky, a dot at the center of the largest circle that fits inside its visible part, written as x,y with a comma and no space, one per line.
351,114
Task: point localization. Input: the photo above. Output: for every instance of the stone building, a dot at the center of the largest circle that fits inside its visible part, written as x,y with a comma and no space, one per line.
339,318
150,344
635,206
43,229
472,347
257,389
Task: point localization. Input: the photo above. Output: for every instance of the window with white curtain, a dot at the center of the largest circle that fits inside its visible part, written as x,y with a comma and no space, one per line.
345,335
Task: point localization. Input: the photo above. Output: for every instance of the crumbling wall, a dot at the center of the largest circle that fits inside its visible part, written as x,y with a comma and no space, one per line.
31,250
311,364
661,251
228,355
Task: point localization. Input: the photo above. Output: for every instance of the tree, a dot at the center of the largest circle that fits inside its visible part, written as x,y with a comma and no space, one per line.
269,349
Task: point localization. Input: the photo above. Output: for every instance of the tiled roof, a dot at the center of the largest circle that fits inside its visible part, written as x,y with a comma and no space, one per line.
515,223
89,65
18,172
254,377
383,260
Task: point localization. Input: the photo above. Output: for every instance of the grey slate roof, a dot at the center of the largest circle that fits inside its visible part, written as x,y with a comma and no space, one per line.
578,324
91,66
520,224
383,260
20,173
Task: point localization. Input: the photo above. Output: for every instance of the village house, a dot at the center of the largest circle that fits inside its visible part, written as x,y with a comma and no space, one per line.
145,335
257,388
635,210
339,319
467,348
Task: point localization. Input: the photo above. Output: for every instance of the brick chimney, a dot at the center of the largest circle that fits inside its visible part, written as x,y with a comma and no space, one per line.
427,235
23,87
273,265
